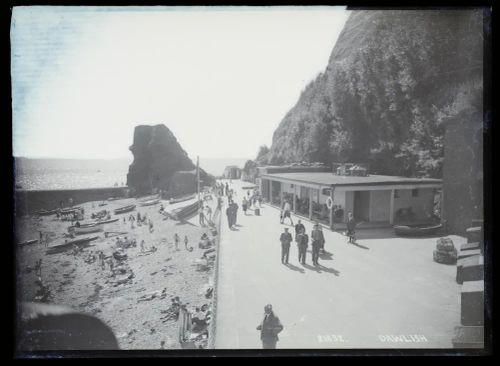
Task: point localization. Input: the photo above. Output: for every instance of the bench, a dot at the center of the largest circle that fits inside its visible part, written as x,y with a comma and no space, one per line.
474,234
468,253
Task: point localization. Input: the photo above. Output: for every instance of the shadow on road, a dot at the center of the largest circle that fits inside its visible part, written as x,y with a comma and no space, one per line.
326,256
295,268
312,268
328,270
233,229
184,222
360,246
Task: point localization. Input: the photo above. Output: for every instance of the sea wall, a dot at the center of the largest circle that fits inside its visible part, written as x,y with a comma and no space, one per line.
29,202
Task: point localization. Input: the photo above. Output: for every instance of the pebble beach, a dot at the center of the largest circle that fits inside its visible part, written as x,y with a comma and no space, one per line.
133,298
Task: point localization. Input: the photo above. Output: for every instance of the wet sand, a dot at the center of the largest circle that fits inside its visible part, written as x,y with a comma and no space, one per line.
134,302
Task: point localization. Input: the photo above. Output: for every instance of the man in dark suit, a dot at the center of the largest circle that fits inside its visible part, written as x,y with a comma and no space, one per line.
317,242
286,239
298,229
269,328
302,242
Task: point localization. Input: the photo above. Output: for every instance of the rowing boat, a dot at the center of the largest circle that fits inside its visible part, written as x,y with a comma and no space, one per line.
106,221
184,212
47,213
29,242
69,244
182,199
124,209
417,230
86,229
150,202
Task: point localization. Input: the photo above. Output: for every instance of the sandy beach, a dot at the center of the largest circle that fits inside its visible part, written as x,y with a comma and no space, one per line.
134,300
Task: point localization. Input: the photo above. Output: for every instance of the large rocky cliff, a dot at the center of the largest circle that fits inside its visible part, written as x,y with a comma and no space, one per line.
392,77
157,157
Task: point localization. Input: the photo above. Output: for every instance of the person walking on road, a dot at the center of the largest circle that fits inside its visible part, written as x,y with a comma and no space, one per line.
286,239
286,212
229,214
235,212
269,328
351,228
244,205
298,229
317,241
302,244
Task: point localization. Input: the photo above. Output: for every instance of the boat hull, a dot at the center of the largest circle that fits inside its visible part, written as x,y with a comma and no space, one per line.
149,203
67,246
124,209
402,230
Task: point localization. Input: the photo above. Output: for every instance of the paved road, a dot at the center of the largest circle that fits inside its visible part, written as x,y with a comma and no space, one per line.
358,297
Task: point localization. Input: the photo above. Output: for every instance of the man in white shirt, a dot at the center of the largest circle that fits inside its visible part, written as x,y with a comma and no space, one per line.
286,212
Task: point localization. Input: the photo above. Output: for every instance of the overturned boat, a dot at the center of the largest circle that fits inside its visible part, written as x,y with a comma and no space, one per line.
417,230
150,202
47,212
124,209
67,245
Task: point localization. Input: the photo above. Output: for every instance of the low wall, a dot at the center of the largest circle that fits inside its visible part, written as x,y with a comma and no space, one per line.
29,202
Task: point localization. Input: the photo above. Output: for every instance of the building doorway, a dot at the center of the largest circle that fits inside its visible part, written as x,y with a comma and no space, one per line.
362,205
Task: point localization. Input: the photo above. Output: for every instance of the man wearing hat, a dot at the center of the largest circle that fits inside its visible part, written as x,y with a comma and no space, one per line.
286,239
269,328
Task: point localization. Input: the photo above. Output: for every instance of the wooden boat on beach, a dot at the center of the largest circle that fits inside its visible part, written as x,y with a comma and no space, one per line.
29,242
69,244
47,212
87,228
417,230
124,209
184,212
150,202
105,221
182,199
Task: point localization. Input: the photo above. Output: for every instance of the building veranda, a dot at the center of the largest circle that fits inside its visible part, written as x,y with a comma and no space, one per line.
327,196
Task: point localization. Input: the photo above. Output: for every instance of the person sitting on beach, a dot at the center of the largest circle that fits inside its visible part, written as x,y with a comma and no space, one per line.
38,268
162,208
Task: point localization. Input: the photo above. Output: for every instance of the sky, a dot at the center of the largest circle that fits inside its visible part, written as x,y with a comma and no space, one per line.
220,78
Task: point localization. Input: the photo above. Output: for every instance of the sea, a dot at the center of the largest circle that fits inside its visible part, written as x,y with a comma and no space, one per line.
52,174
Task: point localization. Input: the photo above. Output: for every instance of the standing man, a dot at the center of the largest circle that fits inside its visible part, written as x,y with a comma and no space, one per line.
201,214
302,244
298,229
351,228
229,214
286,239
235,212
317,240
286,212
269,328
227,189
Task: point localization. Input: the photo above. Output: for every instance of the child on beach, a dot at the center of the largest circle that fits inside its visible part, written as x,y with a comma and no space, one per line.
186,241
142,246
176,240
151,226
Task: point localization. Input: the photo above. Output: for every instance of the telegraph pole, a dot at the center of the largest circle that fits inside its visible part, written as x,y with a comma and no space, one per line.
198,177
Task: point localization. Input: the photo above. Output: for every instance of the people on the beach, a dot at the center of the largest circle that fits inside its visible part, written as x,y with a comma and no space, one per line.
201,214
269,328
101,260
176,241
41,238
302,242
38,268
208,214
186,241
151,228
285,239
143,246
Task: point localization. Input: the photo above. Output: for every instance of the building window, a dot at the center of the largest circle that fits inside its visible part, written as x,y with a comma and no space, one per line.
414,192
396,193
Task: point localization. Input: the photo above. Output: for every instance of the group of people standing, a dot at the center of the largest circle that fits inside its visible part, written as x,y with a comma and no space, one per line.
302,240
